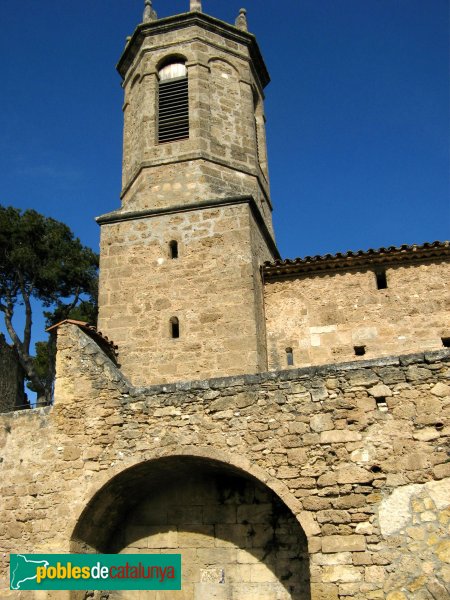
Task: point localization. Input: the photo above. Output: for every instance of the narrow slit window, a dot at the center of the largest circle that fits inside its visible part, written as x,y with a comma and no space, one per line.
173,103
381,280
175,328
446,342
359,350
173,249
289,357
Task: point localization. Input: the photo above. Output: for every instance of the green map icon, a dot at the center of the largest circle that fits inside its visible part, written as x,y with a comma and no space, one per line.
23,569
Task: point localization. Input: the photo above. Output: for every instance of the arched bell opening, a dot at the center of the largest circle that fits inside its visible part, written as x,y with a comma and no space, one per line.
236,537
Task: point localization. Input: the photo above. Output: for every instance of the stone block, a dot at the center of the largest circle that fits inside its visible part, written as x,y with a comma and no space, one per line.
441,390
414,373
443,551
364,528
71,453
343,543
185,514
364,377
212,575
288,472
341,573
339,436
309,524
261,573
297,456
324,591
219,513
334,516
319,423
374,574
155,537
349,501
439,492
217,556
437,590
353,474
340,558
323,329
254,513
426,434
211,591
240,535
195,536
319,394
380,391
315,503
327,479
297,427
362,558
350,590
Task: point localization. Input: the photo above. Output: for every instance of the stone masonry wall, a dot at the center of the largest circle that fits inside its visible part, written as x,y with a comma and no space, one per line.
322,317
357,452
146,288
220,158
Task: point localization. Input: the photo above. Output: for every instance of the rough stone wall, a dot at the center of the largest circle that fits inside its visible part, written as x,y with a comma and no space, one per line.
11,382
322,317
220,158
357,452
213,288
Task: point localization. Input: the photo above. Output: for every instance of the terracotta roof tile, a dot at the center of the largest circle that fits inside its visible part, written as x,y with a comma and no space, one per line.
358,258
103,341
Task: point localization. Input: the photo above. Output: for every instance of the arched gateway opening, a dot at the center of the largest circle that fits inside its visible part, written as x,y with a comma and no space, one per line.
237,539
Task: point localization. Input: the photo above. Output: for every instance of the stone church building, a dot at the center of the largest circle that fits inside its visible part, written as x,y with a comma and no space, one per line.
283,424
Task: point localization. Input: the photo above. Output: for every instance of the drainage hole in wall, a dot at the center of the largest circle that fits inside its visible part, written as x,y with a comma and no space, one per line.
381,404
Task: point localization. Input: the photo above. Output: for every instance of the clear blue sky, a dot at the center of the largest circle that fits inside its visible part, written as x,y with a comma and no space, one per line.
357,114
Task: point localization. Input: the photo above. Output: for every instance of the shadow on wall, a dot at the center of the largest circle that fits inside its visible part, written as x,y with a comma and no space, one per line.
236,537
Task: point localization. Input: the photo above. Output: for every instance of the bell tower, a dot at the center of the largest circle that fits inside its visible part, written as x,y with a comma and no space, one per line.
180,283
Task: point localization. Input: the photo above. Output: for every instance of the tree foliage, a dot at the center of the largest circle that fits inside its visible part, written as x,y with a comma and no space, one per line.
40,258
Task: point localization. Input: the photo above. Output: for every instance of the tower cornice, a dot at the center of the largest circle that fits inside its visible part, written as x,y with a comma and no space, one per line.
120,216
182,21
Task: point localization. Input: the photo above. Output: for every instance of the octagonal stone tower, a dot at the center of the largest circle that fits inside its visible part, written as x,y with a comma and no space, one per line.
180,284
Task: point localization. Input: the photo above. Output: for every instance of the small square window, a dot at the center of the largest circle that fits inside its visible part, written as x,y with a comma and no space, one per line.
359,350
446,342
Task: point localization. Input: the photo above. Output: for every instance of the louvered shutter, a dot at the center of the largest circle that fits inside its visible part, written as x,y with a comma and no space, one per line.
173,113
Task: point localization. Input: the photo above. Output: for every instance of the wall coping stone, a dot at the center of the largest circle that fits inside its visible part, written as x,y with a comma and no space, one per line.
130,393
291,374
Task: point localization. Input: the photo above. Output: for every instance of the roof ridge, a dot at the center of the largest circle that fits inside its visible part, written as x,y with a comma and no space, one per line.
358,257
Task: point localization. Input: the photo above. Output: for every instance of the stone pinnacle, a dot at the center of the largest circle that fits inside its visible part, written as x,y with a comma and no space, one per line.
241,21
196,5
149,12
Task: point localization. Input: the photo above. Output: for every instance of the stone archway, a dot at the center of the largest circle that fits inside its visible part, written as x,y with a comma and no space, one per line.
238,540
